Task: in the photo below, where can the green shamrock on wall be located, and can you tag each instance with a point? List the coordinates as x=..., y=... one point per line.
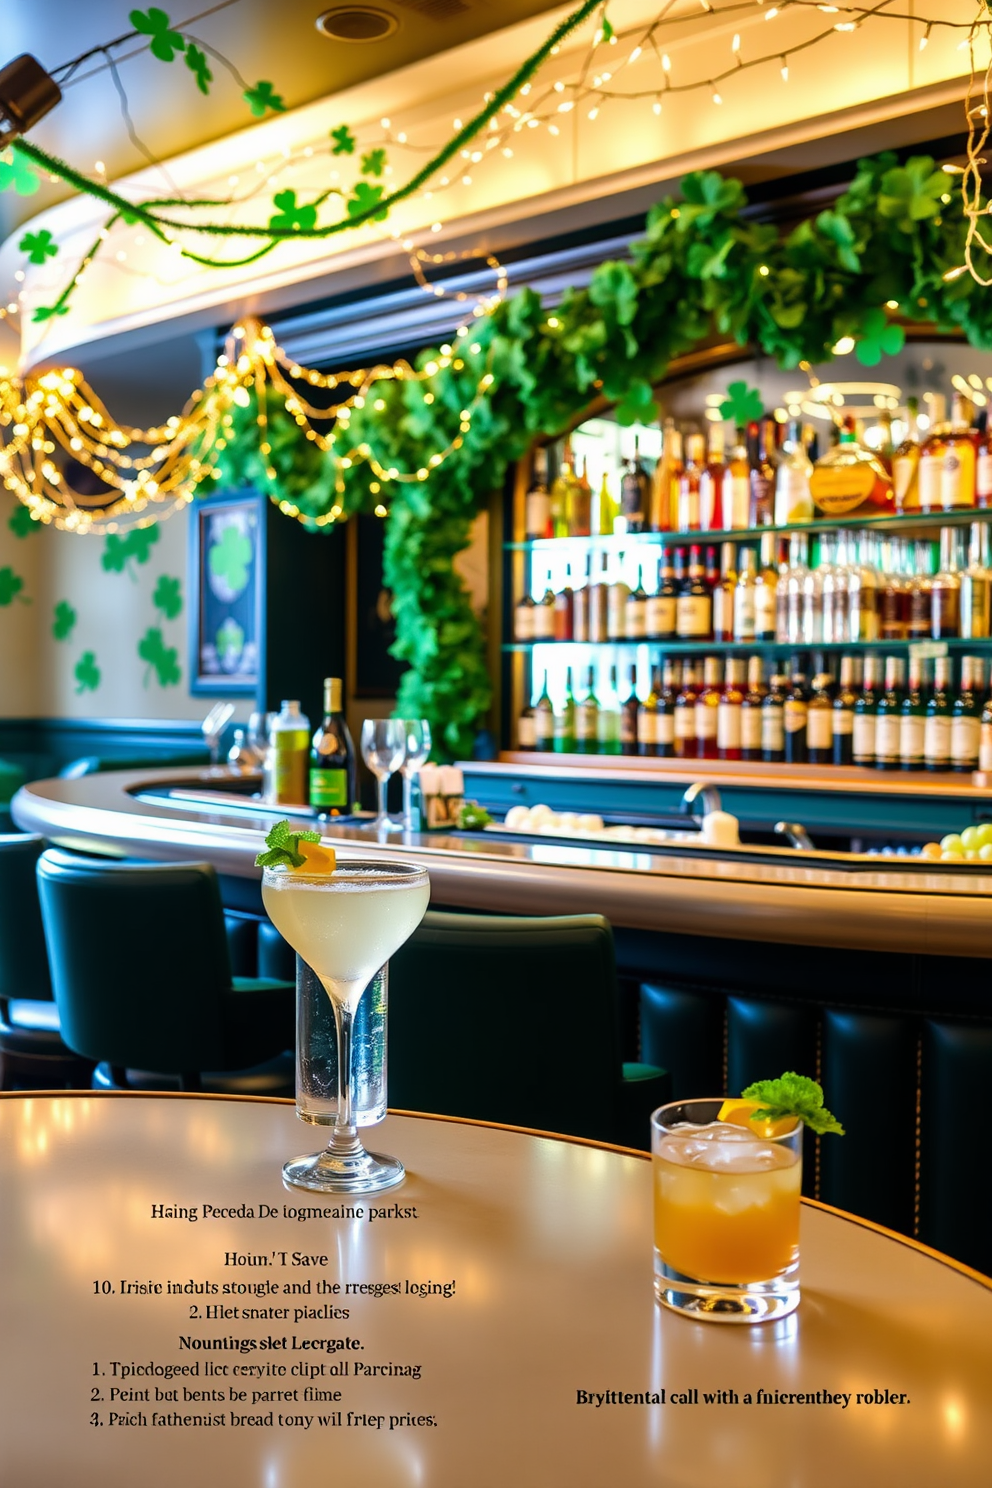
x=168, y=597
x=229, y=559
x=165, y=44
x=17, y=175
x=344, y=141
x=290, y=217
x=363, y=197
x=373, y=163
x=21, y=522
x=742, y=404
x=11, y=585
x=65, y=619
x=87, y=673
x=163, y=659
x=197, y=63
x=878, y=338
x=263, y=96
x=120, y=553
x=230, y=642
x=38, y=246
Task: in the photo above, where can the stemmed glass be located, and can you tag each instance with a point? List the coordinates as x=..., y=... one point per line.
x=346, y=925
x=417, y=734
x=213, y=727
x=383, y=749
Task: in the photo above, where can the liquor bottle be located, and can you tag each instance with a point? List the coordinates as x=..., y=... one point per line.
x=580, y=503
x=711, y=481
x=976, y=586
x=544, y=614
x=636, y=617
x=605, y=509
x=966, y=719
x=985, y=738
x=912, y=720
x=599, y=604
x=894, y=593
x=762, y=474
x=930, y=468
x=563, y=608
x=565, y=720
x=609, y=718
x=730, y=709
x=773, y=721
x=906, y=462
x=887, y=716
x=884, y=445
x=796, y=721
x=694, y=605
x=647, y=718
x=745, y=591
x=711, y=572
x=945, y=589
x=561, y=494
x=660, y=608
x=820, y=722
x=537, y=502
x=957, y=474
x=862, y=594
x=812, y=621
x=580, y=605
x=527, y=728
x=629, y=710
x=920, y=593
x=793, y=503
x=523, y=618
x=983, y=466
x=737, y=486
x=665, y=714
x=286, y=760
x=544, y=720
x=834, y=575
x=843, y=721
x=665, y=481
x=724, y=594
x=689, y=483
x=707, y=707
x=616, y=606
x=766, y=592
x=587, y=718
x=332, y=757
x=937, y=725
x=864, y=715
x=685, y=713
x=795, y=589
x=850, y=479
x=751, y=710
x=635, y=492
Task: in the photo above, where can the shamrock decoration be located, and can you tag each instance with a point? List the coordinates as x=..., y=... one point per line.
x=119, y=551
x=290, y=217
x=65, y=619
x=11, y=585
x=344, y=141
x=21, y=522
x=16, y=174
x=263, y=96
x=364, y=198
x=742, y=404
x=87, y=673
x=38, y=246
x=607, y=30
x=638, y=405
x=878, y=338
x=46, y=312
x=197, y=63
x=229, y=559
x=168, y=597
x=230, y=642
x=911, y=193
x=164, y=659
x=373, y=162
x=165, y=44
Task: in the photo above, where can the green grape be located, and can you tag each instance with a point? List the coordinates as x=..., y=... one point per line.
x=973, y=854
x=985, y=835
x=972, y=841
x=985, y=852
x=952, y=843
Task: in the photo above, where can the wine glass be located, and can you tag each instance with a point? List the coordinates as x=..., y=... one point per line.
x=258, y=734
x=383, y=749
x=345, y=925
x=417, y=734
x=213, y=727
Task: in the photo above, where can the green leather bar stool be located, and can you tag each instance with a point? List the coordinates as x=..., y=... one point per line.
x=517, y=1020
x=32, y=1052
x=142, y=979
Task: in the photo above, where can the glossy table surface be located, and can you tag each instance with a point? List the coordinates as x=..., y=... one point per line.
x=771, y=895
x=545, y=1247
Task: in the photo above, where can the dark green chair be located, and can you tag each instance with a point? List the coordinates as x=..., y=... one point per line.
x=142, y=979
x=517, y=1020
x=32, y=1052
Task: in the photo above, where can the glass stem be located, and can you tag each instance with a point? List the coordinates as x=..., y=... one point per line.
x=345, y=1132
x=382, y=782
x=408, y=801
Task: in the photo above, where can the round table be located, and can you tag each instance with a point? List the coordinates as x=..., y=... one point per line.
x=490, y=1322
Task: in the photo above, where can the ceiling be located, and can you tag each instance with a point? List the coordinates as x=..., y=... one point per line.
x=272, y=39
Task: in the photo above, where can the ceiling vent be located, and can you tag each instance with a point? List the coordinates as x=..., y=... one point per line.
x=362, y=22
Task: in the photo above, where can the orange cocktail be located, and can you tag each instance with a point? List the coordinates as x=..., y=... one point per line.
x=726, y=1205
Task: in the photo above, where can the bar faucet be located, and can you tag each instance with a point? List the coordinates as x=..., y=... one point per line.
x=704, y=792
x=795, y=834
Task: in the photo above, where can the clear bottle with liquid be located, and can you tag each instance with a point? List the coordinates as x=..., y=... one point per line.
x=976, y=586
x=287, y=757
x=793, y=502
x=945, y=589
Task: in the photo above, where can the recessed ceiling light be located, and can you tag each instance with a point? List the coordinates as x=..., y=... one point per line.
x=356, y=23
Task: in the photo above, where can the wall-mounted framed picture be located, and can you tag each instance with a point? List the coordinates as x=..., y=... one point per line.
x=227, y=588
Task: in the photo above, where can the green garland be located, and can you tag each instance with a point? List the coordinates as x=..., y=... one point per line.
x=703, y=266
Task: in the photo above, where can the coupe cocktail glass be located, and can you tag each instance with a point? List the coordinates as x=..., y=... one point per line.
x=726, y=1215
x=346, y=925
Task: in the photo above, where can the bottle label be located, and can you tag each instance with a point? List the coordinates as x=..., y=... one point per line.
x=887, y=737
x=628, y=726
x=526, y=733
x=912, y=739
x=792, y=498
x=736, y=501
x=728, y=726
x=544, y=728
x=985, y=748
x=903, y=470
x=957, y=476
x=537, y=519
x=633, y=495
x=843, y=721
x=723, y=612
x=660, y=615
x=329, y=787
x=864, y=738
x=636, y=619
x=983, y=477
x=744, y=613
x=966, y=735
x=616, y=612
x=974, y=606
x=586, y=722
x=705, y=720
x=290, y=751
x=937, y=739
x=796, y=715
x=544, y=622
x=928, y=480
x=523, y=622
x=665, y=726
x=764, y=611
x=837, y=489
x=751, y=728
x=685, y=727
x=707, y=502
x=693, y=615
x=647, y=726
x=820, y=728
x=772, y=730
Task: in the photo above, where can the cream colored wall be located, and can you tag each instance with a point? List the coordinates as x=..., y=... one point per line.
x=20, y=669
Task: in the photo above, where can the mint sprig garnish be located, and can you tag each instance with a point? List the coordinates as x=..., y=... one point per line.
x=793, y=1095
x=284, y=847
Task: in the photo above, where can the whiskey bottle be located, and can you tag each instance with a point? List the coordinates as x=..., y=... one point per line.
x=850, y=478
x=985, y=738
x=729, y=711
x=887, y=719
x=647, y=719
x=751, y=710
x=563, y=608
x=966, y=719
x=744, y=598
x=689, y=484
x=537, y=502
x=766, y=592
x=983, y=466
x=707, y=708
x=843, y=721
x=685, y=714
x=976, y=586
x=587, y=718
x=820, y=722
x=762, y=474
x=945, y=589
x=599, y=603
x=580, y=503
x=773, y=722
x=796, y=720
x=929, y=473
x=629, y=709
x=660, y=607
x=906, y=462
x=864, y=715
x=937, y=724
x=665, y=716
x=737, y=486
x=636, y=618
x=921, y=592
x=912, y=720
x=544, y=720
x=665, y=481
x=957, y=475
x=580, y=605
x=694, y=605
x=544, y=614
x=523, y=618
x=711, y=481
x=635, y=492
x=724, y=594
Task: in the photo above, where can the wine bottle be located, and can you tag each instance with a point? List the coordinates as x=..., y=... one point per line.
x=332, y=757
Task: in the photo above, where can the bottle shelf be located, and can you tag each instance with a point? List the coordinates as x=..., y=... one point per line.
x=906, y=523
x=922, y=648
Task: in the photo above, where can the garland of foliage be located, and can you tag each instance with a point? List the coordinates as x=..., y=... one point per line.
x=705, y=265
